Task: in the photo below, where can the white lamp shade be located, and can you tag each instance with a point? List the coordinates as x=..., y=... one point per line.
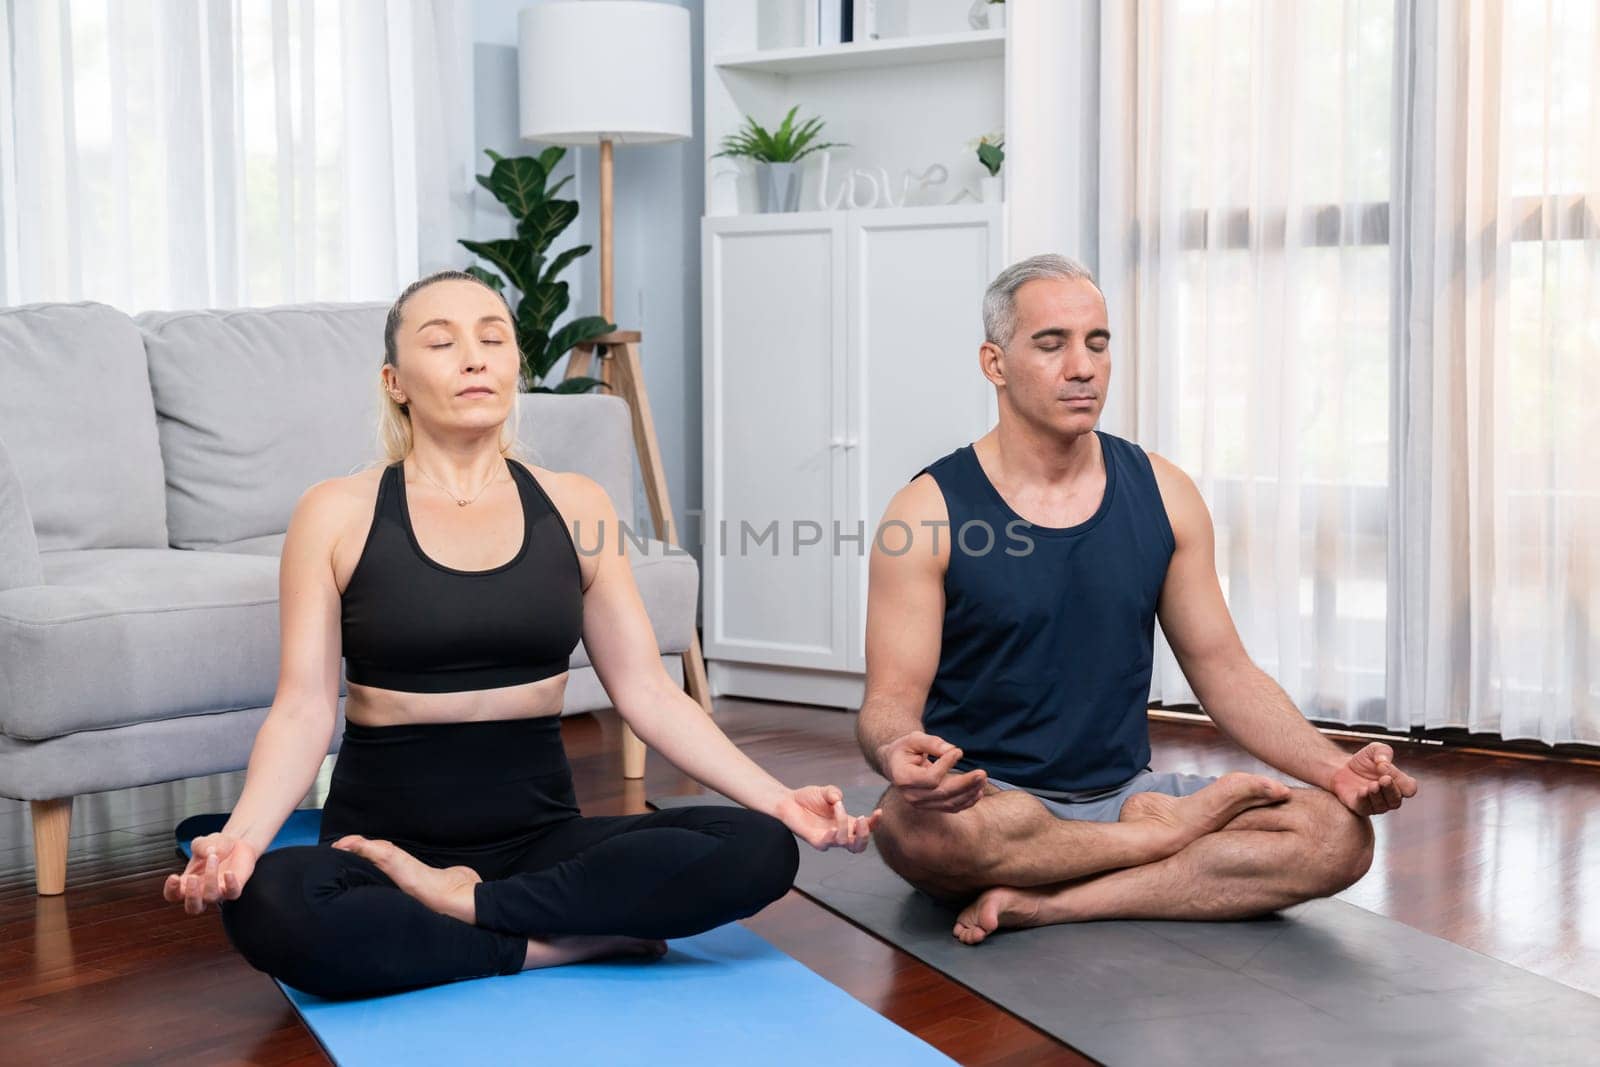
x=604, y=69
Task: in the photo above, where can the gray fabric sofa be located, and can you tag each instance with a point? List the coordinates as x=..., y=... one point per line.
x=148, y=468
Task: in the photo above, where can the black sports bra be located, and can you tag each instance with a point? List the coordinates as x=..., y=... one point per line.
x=410, y=623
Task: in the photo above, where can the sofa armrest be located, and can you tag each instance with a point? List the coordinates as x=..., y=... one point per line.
x=19, y=546
x=669, y=584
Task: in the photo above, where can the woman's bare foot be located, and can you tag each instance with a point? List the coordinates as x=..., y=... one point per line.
x=447, y=890
x=994, y=908
x=555, y=951
x=1185, y=819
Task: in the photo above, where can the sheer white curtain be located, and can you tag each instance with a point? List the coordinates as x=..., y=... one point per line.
x=1244, y=178
x=235, y=152
x=1351, y=250
x=1495, y=569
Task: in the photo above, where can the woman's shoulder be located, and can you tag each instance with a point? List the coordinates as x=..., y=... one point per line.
x=575, y=495
x=357, y=489
x=336, y=507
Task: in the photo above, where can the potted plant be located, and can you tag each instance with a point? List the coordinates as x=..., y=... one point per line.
x=777, y=156
x=991, y=153
x=518, y=182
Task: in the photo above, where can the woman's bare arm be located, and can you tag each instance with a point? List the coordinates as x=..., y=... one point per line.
x=291, y=744
x=623, y=651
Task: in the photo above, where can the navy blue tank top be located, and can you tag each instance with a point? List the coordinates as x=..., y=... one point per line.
x=1044, y=662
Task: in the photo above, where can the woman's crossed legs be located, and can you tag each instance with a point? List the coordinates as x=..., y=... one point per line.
x=371, y=918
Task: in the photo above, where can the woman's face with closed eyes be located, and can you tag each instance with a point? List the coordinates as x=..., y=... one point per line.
x=456, y=356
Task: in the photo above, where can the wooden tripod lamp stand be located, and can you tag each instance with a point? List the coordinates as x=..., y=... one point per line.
x=564, y=102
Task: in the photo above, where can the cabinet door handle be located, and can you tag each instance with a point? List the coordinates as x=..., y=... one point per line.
x=851, y=442
x=837, y=442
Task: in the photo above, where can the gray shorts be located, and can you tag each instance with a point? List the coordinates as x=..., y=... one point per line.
x=1105, y=805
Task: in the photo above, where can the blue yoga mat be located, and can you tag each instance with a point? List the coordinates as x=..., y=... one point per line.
x=300, y=828
x=725, y=996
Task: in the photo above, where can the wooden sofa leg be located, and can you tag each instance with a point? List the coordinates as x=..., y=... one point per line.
x=52, y=823
x=694, y=675
x=633, y=751
x=694, y=679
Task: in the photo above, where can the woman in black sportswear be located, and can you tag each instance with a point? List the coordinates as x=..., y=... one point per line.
x=452, y=845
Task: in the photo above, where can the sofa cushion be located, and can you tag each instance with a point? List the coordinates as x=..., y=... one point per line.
x=19, y=548
x=121, y=636
x=81, y=427
x=140, y=753
x=669, y=584
x=266, y=545
x=590, y=433
x=255, y=405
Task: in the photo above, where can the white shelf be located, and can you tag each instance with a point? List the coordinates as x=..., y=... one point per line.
x=893, y=52
x=816, y=217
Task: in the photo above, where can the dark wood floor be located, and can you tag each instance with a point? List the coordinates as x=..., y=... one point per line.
x=1501, y=855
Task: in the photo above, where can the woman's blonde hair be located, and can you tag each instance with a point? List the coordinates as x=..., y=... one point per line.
x=395, y=439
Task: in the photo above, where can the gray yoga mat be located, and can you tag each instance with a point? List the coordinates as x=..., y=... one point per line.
x=1324, y=982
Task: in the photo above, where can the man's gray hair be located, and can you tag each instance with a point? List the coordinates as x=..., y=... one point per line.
x=1000, y=299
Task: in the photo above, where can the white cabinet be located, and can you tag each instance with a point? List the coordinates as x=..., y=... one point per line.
x=840, y=346
x=915, y=391
x=774, y=416
x=841, y=356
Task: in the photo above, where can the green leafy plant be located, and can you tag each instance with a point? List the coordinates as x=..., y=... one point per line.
x=788, y=144
x=991, y=154
x=519, y=182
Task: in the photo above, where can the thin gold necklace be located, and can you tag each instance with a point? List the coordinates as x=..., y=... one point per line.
x=460, y=502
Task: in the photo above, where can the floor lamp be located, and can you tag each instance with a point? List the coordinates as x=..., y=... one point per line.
x=605, y=72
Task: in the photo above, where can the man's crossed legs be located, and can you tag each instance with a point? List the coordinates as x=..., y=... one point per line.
x=1241, y=846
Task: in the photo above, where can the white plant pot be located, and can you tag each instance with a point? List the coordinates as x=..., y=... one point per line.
x=779, y=185
x=997, y=16
x=992, y=188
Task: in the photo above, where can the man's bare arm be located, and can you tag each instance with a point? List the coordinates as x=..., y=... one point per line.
x=905, y=617
x=1241, y=698
x=905, y=620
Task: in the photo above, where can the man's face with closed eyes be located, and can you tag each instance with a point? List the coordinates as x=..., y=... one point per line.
x=1056, y=368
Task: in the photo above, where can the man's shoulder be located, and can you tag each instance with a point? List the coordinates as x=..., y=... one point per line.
x=1180, y=498
x=926, y=494
x=1172, y=479
x=942, y=463
x=1127, y=448
x=920, y=500
x=1167, y=473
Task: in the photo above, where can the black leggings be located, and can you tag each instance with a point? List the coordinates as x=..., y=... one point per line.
x=496, y=797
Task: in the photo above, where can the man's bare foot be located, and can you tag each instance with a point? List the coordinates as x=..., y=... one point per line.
x=1185, y=819
x=447, y=890
x=1002, y=906
x=555, y=951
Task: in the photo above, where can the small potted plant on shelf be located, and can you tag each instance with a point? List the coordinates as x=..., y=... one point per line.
x=991, y=153
x=777, y=155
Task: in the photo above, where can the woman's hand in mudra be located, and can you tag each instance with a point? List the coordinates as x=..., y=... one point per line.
x=816, y=813
x=219, y=866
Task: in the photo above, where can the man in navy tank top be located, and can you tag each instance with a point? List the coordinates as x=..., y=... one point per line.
x=1014, y=588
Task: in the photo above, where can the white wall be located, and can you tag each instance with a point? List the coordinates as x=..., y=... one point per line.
x=656, y=217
